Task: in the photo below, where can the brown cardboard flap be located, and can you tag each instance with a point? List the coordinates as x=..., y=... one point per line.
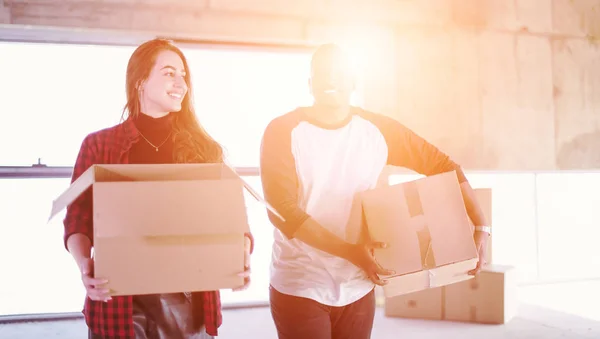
x=130, y=172
x=406, y=283
x=426, y=279
x=75, y=190
x=452, y=273
x=169, y=208
x=261, y=200
x=229, y=172
x=447, y=219
x=385, y=207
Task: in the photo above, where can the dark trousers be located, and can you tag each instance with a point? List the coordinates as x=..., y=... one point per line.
x=137, y=336
x=165, y=316
x=302, y=318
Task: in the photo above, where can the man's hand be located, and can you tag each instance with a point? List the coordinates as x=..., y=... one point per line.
x=247, y=271
x=481, y=239
x=361, y=255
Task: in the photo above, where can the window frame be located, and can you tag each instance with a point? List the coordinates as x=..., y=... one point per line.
x=57, y=172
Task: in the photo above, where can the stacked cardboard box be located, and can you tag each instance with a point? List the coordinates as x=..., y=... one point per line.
x=488, y=298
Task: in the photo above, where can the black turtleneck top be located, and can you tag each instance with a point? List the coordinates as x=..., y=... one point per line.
x=157, y=131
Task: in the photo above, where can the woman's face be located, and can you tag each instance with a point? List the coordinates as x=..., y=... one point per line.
x=164, y=89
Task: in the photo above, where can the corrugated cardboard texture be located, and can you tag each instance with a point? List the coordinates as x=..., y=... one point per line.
x=427, y=229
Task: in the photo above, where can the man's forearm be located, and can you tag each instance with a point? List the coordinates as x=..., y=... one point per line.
x=315, y=235
x=80, y=247
x=473, y=209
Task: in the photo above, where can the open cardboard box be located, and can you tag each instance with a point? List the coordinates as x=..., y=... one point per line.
x=165, y=228
x=429, y=237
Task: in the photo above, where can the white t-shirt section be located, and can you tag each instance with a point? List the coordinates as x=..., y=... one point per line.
x=332, y=165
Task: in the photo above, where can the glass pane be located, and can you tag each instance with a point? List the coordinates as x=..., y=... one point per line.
x=568, y=231
x=514, y=221
x=76, y=89
x=262, y=230
x=236, y=93
x=40, y=276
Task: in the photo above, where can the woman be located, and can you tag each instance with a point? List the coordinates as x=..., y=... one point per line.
x=160, y=127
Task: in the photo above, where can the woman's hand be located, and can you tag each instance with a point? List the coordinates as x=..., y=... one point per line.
x=94, y=288
x=248, y=246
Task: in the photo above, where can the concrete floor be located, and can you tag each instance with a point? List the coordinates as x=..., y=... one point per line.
x=567, y=310
x=533, y=322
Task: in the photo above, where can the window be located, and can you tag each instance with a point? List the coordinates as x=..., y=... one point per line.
x=79, y=89
x=72, y=89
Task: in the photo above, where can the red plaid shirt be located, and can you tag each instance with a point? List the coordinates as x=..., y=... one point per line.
x=113, y=319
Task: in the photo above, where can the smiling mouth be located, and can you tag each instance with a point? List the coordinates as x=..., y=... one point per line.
x=175, y=95
x=330, y=91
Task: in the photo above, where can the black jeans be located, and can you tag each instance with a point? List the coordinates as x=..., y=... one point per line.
x=302, y=318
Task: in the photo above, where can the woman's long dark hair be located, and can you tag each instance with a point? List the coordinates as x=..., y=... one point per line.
x=192, y=144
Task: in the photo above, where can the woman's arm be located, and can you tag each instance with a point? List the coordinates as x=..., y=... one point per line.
x=78, y=222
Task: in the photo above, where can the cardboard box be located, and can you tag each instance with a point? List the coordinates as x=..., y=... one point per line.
x=490, y=298
x=427, y=229
x=165, y=228
x=428, y=304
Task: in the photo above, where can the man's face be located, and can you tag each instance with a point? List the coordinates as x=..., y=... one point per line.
x=331, y=81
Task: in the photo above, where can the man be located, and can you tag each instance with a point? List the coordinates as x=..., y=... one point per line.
x=313, y=162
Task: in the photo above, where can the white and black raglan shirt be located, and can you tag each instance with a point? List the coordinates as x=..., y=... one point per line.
x=314, y=171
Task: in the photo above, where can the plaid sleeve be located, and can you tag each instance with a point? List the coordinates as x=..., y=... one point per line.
x=211, y=305
x=79, y=214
